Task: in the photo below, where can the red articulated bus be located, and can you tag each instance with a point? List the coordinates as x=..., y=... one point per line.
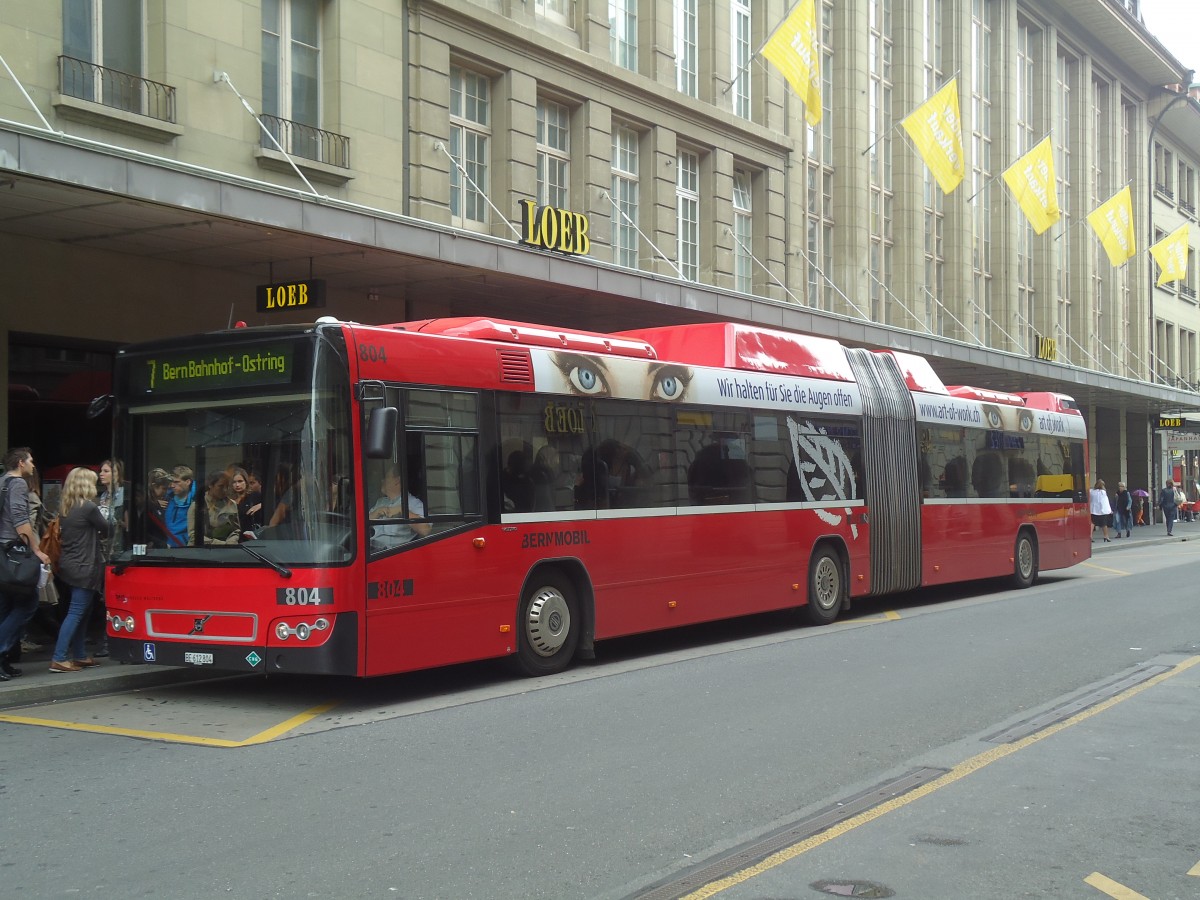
x=448, y=490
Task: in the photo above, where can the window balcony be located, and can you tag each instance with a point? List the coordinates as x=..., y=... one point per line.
x=321, y=155
x=307, y=142
x=1164, y=191
x=1188, y=293
x=113, y=99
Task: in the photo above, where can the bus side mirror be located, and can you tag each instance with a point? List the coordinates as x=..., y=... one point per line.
x=99, y=406
x=381, y=432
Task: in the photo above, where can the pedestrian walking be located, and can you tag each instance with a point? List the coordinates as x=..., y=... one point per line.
x=84, y=527
x=1166, y=502
x=1101, y=509
x=1123, y=510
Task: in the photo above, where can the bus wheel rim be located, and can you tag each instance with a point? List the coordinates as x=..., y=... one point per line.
x=548, y=622
x=1025, y=558
x=826, y=583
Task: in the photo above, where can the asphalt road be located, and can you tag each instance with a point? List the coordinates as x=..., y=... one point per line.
x=662, y=756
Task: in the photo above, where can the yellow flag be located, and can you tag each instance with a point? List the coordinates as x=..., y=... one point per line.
x=1031, y=179
x=936, y=129
x=1171, y=254
x=793, y=49
x=1112, y=221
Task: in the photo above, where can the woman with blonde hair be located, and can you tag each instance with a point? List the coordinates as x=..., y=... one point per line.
x=83, y=527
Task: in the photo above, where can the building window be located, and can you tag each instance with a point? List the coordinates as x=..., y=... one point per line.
x=622, y=35
x=1187, y=287
x=740, y=54
x=291, y=75
x=470, y=137
x=687, y=214
x=819, y=186
x=981, y=167
x=1164, y=171
x=553, y=154
x=879, y=160
x=554, y=10
x=743, y=232
x=685, y=47
x=105, y=33
x=1027, y=135
x=625, y=196
x=934, y=204
x=1066, y=84
x=1187, y=189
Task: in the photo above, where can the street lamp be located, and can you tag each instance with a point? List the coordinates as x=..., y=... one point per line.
x=1178, y=98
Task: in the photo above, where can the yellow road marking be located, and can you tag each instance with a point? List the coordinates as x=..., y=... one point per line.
x=963, y=769
x=1114, y=889
x=891, y=614
x=1092, y=565
x=1195, y=870
x=262, y=737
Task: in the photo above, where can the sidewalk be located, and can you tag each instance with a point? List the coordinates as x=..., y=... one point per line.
x=38, y=684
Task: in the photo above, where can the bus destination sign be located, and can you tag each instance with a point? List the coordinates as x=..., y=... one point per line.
x=215, y=369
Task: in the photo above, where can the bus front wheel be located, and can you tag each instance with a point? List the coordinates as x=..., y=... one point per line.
x=826, y=587
x=548, y=627
x=1025, y=561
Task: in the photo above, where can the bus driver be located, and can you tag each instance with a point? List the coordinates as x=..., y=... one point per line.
x=389, y=506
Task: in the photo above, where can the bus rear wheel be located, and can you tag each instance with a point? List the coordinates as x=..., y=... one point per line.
x=1025, y=561
x=548, y=627
x=826, y=587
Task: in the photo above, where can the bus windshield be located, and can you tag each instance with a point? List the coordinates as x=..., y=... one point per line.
x=226, y=445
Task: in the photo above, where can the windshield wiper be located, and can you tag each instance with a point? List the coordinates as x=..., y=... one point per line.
x=278, y=567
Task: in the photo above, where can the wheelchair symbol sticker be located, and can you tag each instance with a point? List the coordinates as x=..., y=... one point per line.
x=148, y=652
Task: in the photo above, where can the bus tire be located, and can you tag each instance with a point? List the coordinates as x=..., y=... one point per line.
x=826, y=587
x=548, y=626
x=1025, y=561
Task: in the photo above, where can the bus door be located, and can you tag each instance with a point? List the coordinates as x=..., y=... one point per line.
x=429, y=600
x=890, y=484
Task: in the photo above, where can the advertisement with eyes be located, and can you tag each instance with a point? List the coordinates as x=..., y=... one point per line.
x=563, y=372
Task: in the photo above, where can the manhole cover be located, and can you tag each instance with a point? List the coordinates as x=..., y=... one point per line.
x=843, y=887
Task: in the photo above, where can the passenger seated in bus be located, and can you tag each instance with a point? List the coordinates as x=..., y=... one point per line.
x=1022, y=480
x=954, y=477
x=591, y=487
x=628, y=477
x=390, y=507
x=545, y=476
x=516, y=483
x=715, y=478
x=987, y=476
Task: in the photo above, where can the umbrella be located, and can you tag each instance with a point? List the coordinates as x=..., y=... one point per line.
x=1140, y=493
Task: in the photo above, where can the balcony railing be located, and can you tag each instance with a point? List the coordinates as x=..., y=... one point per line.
x=1188, y=292
x=307, y=142
x=119, y=90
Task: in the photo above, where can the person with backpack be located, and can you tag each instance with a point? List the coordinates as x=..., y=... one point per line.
x=1166, y=502
x=16, y=608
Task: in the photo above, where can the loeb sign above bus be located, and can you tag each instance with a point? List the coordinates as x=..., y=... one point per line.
x=290, y=295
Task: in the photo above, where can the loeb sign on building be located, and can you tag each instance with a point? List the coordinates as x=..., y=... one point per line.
x=550, y=228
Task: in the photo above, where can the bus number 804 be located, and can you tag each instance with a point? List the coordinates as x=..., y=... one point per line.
x=302, y=596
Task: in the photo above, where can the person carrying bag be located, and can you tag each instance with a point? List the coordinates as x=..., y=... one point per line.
x=20, y=559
